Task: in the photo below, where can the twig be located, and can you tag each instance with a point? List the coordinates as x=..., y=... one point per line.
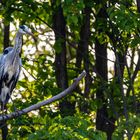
x=46, y=102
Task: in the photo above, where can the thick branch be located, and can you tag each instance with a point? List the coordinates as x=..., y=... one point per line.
x=46, y=102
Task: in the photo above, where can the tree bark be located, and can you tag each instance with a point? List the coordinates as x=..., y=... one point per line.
x=6, y=35
x=59, y=26
x=3, y=124
x=103, y=121
x=4, y=128
x=138, y=5
x=85, y=35
x=83, y=48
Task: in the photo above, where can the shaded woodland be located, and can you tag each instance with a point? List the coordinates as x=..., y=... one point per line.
x=101, y=37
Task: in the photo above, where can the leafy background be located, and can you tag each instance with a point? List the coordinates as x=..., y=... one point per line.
x=101, y=37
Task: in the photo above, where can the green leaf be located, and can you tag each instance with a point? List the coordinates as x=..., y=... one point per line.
x=58, y=45
x=135, y=42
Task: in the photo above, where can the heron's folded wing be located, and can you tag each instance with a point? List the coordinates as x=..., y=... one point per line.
x=1, y=66
x=16, y=77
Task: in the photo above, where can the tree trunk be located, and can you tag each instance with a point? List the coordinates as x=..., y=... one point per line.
x=3, y=124
x=103, y=121
x=138, y=5
x=6, y=36
x=4, y=128
x=82, y=51
x=59, y=26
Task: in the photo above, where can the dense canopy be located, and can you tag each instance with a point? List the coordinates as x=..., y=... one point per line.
x=101, y=37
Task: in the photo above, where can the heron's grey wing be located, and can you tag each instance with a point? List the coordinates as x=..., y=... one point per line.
x=1, y=70
x=17, y=75
x=1, y=79
x=13, y=81
x=1, y=65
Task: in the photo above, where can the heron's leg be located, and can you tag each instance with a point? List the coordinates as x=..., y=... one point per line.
x=3, y=108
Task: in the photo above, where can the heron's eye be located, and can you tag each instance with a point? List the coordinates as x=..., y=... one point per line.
x=5, y=52
x=22, y=27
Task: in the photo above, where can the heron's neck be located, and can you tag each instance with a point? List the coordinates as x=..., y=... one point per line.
x=18, y=42
x=17, y=47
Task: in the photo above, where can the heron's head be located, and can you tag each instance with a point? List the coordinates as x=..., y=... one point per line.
x=25, y=30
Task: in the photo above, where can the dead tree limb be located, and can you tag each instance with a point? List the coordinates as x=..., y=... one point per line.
x=46, y=102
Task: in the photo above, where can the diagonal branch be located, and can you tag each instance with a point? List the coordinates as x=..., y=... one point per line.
x=46, y=102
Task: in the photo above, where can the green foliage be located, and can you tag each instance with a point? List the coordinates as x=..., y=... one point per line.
x=68, y=128
x=117, y=28
x=57, y=45
x=126, y=19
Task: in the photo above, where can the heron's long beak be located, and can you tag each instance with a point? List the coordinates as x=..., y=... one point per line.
x=31, y=34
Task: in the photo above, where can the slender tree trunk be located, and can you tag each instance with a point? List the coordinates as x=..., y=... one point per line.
x=103, y=121
x=60, y=57
x=59, y=26
x=83, y=48
x=4, y=128
x=121, y=59
x=6, y=36
x=138, y=5
x=82, y=53
x=3, y=124
x=85, y=35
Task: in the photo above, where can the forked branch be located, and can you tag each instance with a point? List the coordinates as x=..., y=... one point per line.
x=46, y=102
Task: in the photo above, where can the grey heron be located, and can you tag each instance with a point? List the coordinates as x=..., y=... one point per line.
x=10, y=66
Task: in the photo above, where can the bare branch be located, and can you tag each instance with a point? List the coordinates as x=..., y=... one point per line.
x=137, y=68
x=46, y=102
x=125, y=109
